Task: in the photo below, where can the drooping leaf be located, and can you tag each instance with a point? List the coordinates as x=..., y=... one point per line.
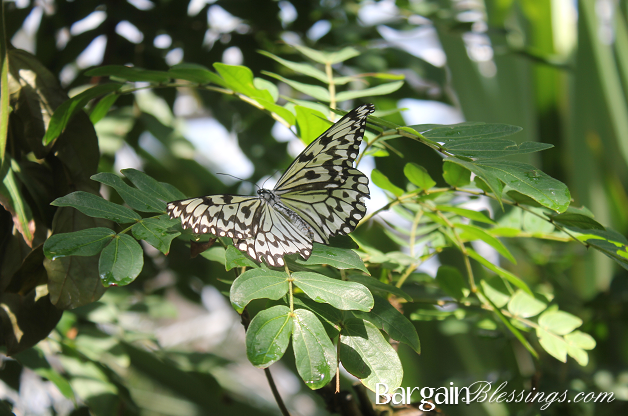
x=268, y=336
x=101, y=109
x=367, y=355
x=456, y=175
x=386, y=317
x=451, y=281
x=418, y=175
x=314, y=353
x=383, y=182
x=121, y=261
x=236, y=258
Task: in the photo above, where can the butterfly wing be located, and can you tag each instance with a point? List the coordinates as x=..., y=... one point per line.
x=276, y=237
x=221, y=215
x=321, y=184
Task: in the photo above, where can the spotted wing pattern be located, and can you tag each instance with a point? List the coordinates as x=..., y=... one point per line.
x=276, y=237
x=320, y=195
x=221, y=215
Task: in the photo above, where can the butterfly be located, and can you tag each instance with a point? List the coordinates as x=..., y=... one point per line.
x=320, y=195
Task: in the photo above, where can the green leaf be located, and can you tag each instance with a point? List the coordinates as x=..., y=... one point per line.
x=135, y=198
x=524, y=305
x=456, y=175
x=576, y=221
x=464, y=131
x=268, y=336
x=610, y=243
x=314, y=353
x=553, y=344
x=498, y=297
x=35, y=359
x=340, y=258
x=472, y=215
x=216, y=254
x=367, y=355
x=235, y=258
x=129, y=73
x=381, y=89
x=451, y=281
x=305, y=69
x=328, y=57
x=500, y=272
x=79, y=243
x=580, y=340
x=257, y=284
x=578, y=354
x=315, y=91
x=523, y=178
x=198, y=74
x=96, y=206
x=471, y=232
x=263, y=84
x=381, y=288
x=311, y=123
x=101, y=109
x=383, y=182
x=386, y=317
x=13, y=201
x=418, y=175
x=65, y=111
x=121, y=261
x=340, y=294
x=156, y=232
x=145, y=183
x=559, y=322
x=330, y=317
x=240, y=79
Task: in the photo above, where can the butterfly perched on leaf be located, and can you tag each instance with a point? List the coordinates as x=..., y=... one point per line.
x=319, y=196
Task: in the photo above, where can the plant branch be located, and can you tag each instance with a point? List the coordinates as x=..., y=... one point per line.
x=273, y=387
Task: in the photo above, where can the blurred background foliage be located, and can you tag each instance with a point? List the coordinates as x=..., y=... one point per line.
x=170, y=344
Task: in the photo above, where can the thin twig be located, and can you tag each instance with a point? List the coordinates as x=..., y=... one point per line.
x=273, y=387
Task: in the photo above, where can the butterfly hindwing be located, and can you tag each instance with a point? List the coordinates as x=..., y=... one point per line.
x=220, y=215
x=275, y=238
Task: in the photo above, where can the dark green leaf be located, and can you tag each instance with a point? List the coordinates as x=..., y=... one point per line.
x=314, y=353
x=96, y=206
x=577, y=221
x=609, y=242
x=156, y=232
x=386, y=317
x=328, y=315
x=340, y=258
x=129, y=73
x=268, y=336
x=149, y=185
x=65, y=111
x=451, y=281
x=365, y=353
x=340, y=294
x=73, y=281
x=236, y=258
x=79, y=243
x=195, y=73
x=121, y=261
x=135, y=198
x=257, y=284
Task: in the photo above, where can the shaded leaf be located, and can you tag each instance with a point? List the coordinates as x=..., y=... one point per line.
x=128, y=73
x=198, y=74
x=135, y=198
x=383, y=182
x=314, y=353
x=268, y=336
x=472, y=215
x=451, y=281
x=456, y=175
x=418, y=175
x=156, y=232
x=375, y=286
x=235, y=258
x=121, y=261
x=471, y=232
x=87, y=242
x=96, y=206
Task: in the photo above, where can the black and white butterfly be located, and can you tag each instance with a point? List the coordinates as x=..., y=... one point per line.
x=319, y=196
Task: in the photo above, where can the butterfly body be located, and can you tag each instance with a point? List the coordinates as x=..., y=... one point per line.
x=319, y=196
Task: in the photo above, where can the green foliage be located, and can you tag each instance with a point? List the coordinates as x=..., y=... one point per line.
x=64, y=243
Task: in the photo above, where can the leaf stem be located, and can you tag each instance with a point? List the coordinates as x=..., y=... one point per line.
x=332, y=90
x=290, y=295
x=273, y=387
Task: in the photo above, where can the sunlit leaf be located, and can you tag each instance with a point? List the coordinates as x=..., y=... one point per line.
x=340, y=294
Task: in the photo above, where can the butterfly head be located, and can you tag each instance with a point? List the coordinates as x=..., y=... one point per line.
x=267, y=195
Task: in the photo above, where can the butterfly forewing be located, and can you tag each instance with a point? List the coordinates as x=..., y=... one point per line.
x=320, y=195
x=220, y=215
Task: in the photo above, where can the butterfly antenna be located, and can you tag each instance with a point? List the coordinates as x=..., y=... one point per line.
x=271, y=176
x=235, y=177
